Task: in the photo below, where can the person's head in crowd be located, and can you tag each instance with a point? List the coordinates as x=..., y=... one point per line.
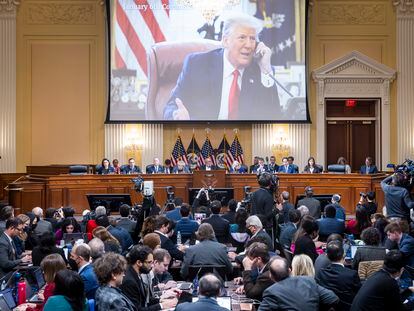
x=102, y=220
x=335, y=237
x=310, y=228
x=68, y=211
x=341, y=161
x=148, y=225
x=185, y=210
x=371, y=236
x=50, y=212
x=261, y=161
x=156, y=161
x=180, y=165
x=205, y=232
x=285, y=161
x=124, y=210
x=26, y=226
x=110, y=269
x=162, y=224
x=69, y=225
x=51, y=265
x=302, y=265
x=309, y=191
x=362, y=218
x=104, y=235
x=140, y=258
x=97, y=248
x=253, y=224
x=240, y=52
x=265, y=180
x=68, y=283
x=47, y=241
x=236, y=165
x=232, y=205
x=394, y=232
x=272, y=159
x=370, y=196
x=100, y=211
x=209, y=286
x=240, y=219
x=279, y=269
x=208, y=161
x=131, y=162
x=304, y=210
x=380, y=225
x=152, y=240
x=38, y=212
x=394, y=263
x=311, y=162
x=294, y=216
x=81, y=254
x=290, y=159
x=171, y=227
x=259, y=254
x=161, y=260
x=6, y=212
x=105, y=163
x=215, y=207
x=284, y=196
x=258, y=239
x=255, y=160
x=336, y=198
x=14, y=226
x=335, y=251
x=167, y=162
x=33, y=219
x=377, y=216
x=115, y=163
x=330, y=211
x=178, y=201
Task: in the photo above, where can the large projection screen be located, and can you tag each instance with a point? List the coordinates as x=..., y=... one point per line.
x=175, y=60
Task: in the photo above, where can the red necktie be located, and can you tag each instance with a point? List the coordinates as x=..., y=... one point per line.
x=234, y=96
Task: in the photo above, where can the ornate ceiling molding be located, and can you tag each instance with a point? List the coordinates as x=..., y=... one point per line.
x=353, y=14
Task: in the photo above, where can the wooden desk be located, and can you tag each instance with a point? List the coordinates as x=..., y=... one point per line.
x=68, y=190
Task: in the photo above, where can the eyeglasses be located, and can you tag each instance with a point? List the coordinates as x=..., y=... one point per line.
x=149, y=262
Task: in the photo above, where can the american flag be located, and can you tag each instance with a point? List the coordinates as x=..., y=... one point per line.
x=235, y=152
x=178, y=152
x=137, y=26
x=222, y=153
x=207, y=151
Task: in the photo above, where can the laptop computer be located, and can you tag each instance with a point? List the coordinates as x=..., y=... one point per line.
x=40, y=283
x=7, y=295
x=71, y=238
x=3, y=304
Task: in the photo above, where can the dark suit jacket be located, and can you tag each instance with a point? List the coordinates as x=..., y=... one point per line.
x=213, y=167
x=273, y=168
x=284, y=216
x=290, y=169
x=186, y=170
x=101, y=171
x=328, y=226
x=169, y=245
x=344, y=282
x=152, y=170
x=206, y=252
x=406, y=246
x=241, y=170
x=133, y=287
x=126, y=169
x=8, y=258
x=317, y=169
x=90, y=280
x=203, y=304
x=305, y=245
x=379, y=292
x=263, y=206
x=200, y=85
x=313, y=205
x=286, y=234
x=297, y=293
x=39, y=253
x=221, y=227
x=254, y=288
x=256, y=168
x=372, y=169
x=229, y=216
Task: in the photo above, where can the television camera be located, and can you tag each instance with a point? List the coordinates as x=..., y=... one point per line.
x=406, y=173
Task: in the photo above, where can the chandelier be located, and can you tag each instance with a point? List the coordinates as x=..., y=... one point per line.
x=209, y=8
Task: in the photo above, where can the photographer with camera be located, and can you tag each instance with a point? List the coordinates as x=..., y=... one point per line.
x=367, y=201
x=263, y=202
x=398, y=201
x=201, y=203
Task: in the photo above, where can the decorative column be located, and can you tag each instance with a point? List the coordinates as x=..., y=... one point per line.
x=405, y=69
x=153, y=143
x=8, y=85
x=299, y=136
x=115, y=135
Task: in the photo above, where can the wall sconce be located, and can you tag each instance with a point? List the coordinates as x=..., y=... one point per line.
x=281, y=142
x=133, y=141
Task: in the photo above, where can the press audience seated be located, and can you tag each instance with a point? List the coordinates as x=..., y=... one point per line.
x=289, y=229
x=254, y=225
x=330, y=224
x=110, y=242
x=220, y=225
x=6, y=212
x=123, y=237
x=69, y=225
x=185, y=225
x=230, y=215
x=162, y=228
x=42, y=225
x=311, y=203
x=361, y=222
x=124, y=221
x=238, y=230
x=162, y=279
x=405, y=242
x=97, y=248
x=152, y=240
x=47, y=246
x=372, y=250
x=302, y=265
x=284, y=207
x=91, y=224
x=304, y=243
x=323, y=261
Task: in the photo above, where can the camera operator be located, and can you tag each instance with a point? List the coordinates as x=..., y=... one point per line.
x=367, y=201
x=201, y=203
x=263, y=202
x=397, y=198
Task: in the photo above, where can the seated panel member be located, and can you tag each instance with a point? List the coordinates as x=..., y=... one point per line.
x=369, y=167
x=238, y=168
x=105, y=168
x=272, y=166
x=260, y=167
x=286, y=167
x=155, y=168
x=209, y=166
x=181, y=168
x=131, y=168
x=312, y=167
x=233, y=77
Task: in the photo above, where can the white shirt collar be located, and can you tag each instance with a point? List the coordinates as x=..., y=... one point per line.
x=10, y=239
x=228, y=68
x=157, y=231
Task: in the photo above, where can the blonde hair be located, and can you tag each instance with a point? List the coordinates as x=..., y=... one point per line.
x=51, y=265
x=302, y=265
x=104, y=235
x=23, y=217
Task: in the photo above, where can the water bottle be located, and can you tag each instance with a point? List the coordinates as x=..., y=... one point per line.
x=195, y=286
x=21, y=291
x=179, y=238
x=17, y=277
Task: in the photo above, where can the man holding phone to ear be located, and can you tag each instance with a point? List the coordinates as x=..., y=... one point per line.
x=229, y=83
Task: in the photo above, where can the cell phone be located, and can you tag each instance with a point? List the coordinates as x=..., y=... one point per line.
x=185, y=286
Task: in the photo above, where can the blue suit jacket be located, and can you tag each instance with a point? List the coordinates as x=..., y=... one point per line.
x=328, y=226
x=151, y=169
x=126, y=169
x=291, y=169
x=406, y=247
x=372, y=169
x=203, y=304
x=200, y=84
x=241, y=170
x=89, y=279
